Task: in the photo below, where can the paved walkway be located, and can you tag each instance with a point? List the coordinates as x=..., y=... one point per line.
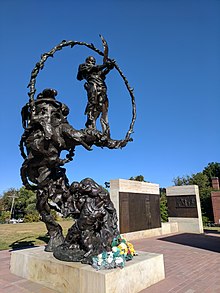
x=192, y=264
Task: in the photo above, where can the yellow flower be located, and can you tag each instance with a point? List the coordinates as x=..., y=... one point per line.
x=131, y=248
x=123, y=248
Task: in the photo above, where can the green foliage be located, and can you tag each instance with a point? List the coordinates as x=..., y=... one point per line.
x=212, y=170
x=5, y=217
x=30, y=208
x=6, y=199
x=205, y=221
x=32, y=217
x=179, y=181
x=163, y=205
x=203, y=180
x=24, y=203
x=138, y=178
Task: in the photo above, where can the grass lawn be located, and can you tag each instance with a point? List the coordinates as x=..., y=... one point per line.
x=214, y=229
x=13, y=236
x=20, y=235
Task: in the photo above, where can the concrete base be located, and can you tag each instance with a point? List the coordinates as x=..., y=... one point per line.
x=188, y=225
x=166, y=228
x=41, y=267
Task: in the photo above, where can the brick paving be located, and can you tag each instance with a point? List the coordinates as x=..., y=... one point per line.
x=10, y=283
x=192, y=264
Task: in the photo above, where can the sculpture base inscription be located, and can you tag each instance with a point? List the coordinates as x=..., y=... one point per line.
x=138, y=211
x=182, y=206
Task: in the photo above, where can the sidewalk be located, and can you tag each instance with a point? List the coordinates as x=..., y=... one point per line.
x=192, y=264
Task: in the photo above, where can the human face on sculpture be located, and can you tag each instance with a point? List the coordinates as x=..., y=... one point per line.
x=91, y=60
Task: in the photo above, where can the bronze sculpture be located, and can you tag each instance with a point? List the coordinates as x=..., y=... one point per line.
x=96, y=91
x=46, y=134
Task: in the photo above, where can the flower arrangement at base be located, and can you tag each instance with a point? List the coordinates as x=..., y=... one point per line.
x=121, y=252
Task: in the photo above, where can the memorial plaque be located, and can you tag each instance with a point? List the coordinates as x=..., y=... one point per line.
x=186, y=202
x=182, y=206
x=138, y=211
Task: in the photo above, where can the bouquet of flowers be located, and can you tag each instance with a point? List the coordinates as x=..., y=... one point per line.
x=121, y=252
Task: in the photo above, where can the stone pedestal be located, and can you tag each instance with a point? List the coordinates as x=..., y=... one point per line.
x=137, y=205
x=41, y=267
x=184, y=208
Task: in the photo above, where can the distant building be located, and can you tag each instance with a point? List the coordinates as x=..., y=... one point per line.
x=215, y=195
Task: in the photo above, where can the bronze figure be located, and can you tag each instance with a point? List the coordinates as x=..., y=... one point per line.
x=47, y=133
x=96, y=92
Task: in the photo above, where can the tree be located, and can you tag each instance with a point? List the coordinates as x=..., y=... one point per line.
x=24, y=203
x=212, y=170
x=205, y=188
x=138, y=178
x=7, y=203
x=32, y=217
x=5, y=217
x=179, y=181
x=163, y=205
x=6, y=198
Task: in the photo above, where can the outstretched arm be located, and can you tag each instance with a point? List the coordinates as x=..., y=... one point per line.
x=109, y=66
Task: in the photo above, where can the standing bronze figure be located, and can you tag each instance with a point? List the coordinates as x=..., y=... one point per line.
x=96, y=92
x=47, y=133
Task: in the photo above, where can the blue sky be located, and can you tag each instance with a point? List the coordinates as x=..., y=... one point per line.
x=168, y=50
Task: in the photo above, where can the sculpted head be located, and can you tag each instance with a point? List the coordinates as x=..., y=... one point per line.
x=91, y=60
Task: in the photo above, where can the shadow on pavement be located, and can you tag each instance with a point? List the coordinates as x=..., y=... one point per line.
x=207, y=242
x=23, y=243
x=45, y=238
x=212, y=232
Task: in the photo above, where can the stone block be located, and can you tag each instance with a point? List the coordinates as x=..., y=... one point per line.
x=190, y=225
x=166, y=228
x=41, y=267
x=137, y=204
x=184, y=208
